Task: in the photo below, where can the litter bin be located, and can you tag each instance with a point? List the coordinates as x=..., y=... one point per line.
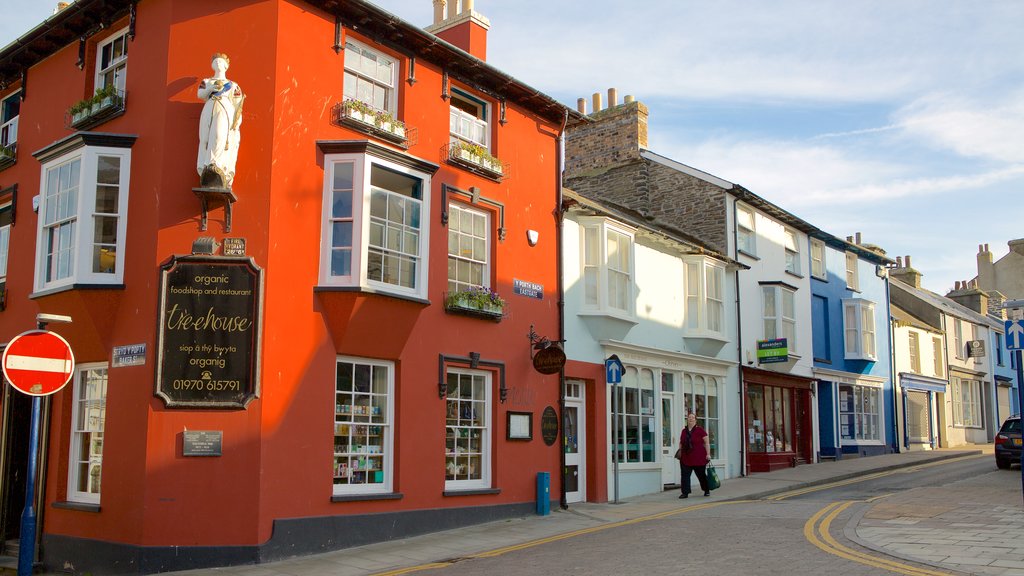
x=543, y=493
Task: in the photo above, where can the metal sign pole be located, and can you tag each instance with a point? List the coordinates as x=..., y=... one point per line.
x=615, y=438
x=1020, y=408
x=27, y=543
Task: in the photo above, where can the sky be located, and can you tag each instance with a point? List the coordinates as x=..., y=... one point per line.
x=899, y=119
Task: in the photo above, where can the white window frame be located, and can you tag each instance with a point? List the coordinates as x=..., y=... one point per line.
x=362, y=402
x=860, y=331
x=479, y=252
x=389, y=85
x=636, y=401
x=852, y=276
x=818, y=269
x=119, y=64
x=868, y=425
x=362, y=164
x=705, y=297
x=914, y=345
x=958, y=339
x=966, y=400
x=9, y=125
x=939, y=364
x=479, y=123
x=791, y=246
x=596, y=265
x=698, y=390
x=782, y=325
x=746, y=230
x=78, y=432
x=452, y=432
x=80, y=218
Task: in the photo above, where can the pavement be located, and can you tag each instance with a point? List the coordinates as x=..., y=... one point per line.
x=983, y=534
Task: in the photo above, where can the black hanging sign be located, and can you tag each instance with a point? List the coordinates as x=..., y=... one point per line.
x=211, y=318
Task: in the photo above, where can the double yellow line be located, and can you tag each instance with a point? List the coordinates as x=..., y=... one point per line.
x=816, y=531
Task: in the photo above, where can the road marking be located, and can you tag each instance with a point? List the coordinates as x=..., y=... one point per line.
x=557, y=537
x=819, y=535
x=802, y=491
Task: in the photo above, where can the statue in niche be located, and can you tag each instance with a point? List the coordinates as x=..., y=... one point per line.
x=218, y=126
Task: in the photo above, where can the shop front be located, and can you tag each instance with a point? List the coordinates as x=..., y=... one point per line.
x=778, y=424
x=917, y=395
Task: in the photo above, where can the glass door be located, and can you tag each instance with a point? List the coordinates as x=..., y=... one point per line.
x=574, y=434
x=671, y=426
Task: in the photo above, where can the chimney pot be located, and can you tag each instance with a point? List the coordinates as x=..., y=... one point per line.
x=581, y=105
x=597, y=102
x=613, y=98
x=467, y=6
x=858, y=238
x=907, y=260
x=628, y=99
x=439, y=9
x=899, y=261
x=849, y=239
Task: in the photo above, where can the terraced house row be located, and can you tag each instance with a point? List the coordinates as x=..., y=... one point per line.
x=334, y=279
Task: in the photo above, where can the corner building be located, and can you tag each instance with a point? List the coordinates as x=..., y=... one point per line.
x=391, y=190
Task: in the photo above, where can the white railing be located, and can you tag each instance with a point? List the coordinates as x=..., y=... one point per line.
x=9, y=132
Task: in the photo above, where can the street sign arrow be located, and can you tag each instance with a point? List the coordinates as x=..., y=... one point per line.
x=1015, y=334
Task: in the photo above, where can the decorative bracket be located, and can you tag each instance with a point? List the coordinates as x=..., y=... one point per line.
x=503, y=120
x=473, y=361
x=412, y=71
x=474, y=198
x=131, y=21
x=339, y=36
x=445, y=87
x=223, y=195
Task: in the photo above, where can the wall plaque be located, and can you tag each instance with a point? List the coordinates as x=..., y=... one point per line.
x=208, y=341
x=549, y=426
x=130, y=355
x=201, y=442
x=520, y=425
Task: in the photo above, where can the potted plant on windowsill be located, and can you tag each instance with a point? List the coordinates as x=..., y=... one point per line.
x=475, y=155
x=380, y=121
x=7, y=151
x=476, y=301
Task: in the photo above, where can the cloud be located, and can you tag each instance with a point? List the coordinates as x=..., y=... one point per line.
x=991, y=127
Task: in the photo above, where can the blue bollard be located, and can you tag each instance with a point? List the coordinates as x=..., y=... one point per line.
x=543, y=493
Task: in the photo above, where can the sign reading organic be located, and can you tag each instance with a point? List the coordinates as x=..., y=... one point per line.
x=549, y=426
x=776, y=350
x=211, y=313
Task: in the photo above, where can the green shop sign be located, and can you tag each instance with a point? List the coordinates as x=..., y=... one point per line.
x=776, y=350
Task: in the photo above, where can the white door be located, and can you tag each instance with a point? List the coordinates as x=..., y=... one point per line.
x=669, y=438
x=574, y=429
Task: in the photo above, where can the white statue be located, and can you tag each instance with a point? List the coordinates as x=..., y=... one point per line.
x=218, y=126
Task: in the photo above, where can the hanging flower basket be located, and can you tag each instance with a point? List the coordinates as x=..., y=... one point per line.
x=476, y=301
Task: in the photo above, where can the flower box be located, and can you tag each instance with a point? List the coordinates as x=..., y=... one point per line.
x=102, y=106
x=8, y=155
x=477, y=301
x=363, y=117
x=476, y=158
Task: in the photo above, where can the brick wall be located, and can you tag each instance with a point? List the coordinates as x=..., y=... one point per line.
x=615, y=135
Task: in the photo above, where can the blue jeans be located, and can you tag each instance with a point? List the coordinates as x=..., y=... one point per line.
x=702, y=477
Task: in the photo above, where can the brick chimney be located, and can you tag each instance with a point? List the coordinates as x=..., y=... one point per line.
x=986, y=269
x=967, y=294
x=456, y=22
x=615, y=135
x=904, y=273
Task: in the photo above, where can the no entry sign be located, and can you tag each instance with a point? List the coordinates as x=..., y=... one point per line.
x=38, y=362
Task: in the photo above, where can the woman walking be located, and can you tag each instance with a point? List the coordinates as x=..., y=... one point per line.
x=695, y=455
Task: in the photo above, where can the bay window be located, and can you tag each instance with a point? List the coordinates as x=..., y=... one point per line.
x=859, y=329
x=779, y=314
x=607, y=267
x=705, y=298
x=83, y=211
x=374, y=232
x=363, y=439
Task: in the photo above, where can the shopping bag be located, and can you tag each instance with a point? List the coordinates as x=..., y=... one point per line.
x=713, y=482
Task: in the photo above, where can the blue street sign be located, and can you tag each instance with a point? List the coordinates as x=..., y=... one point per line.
x=613, y=369
x=1015, y=334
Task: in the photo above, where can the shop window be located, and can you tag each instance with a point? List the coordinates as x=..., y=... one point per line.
x=779, y=314
x=860, y=413
x=792, y=247
x=373, y=228
x=746, y=237
x=859, y=329
x=363, y=412
x=83, y=217
x=705, y=298
x=88, y=415
x=818, y=259
x=467, y=430
x=112, y=62
x=370, y=77
x=769, y=418
x=607, y=267
x=468, y=248
x=966, y=396
x=700, y=396
x=633, y=412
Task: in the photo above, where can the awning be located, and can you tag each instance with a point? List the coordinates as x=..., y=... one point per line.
x=919, y=382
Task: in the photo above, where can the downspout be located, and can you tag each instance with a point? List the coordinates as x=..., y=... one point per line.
x=559, y=159
x=739, y=351
x=892, y=368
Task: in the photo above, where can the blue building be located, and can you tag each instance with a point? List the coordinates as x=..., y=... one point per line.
x=854, y=395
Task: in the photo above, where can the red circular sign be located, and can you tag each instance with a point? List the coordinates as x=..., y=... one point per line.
x=38, y=362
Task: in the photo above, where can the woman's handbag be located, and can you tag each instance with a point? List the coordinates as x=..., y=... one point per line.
x=679, y=453
x=713, y=482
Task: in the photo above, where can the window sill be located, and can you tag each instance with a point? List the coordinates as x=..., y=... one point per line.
x=393, y=132
x=741, y=252
x=819, y=278
x=459, y=310
x=472, y=492
x=861, y=358
x=50, y=291
x=365, y=497
x=795, y=274
x=97, y=116
x=850, y=442
x=477, y=166
x=823, y=360
x=78, y=506
x=368, y=290
x=8, y=159
x=852, y=289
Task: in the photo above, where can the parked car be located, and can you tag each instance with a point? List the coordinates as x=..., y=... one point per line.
x=1007, y=443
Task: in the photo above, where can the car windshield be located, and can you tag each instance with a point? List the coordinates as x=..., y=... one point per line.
x=1011, y=427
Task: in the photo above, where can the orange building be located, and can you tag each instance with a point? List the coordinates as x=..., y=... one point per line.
x=331, y=345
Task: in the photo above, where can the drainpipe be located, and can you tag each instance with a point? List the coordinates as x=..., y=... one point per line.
x=559, y=159
x=892, y=367
x=739, y=351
